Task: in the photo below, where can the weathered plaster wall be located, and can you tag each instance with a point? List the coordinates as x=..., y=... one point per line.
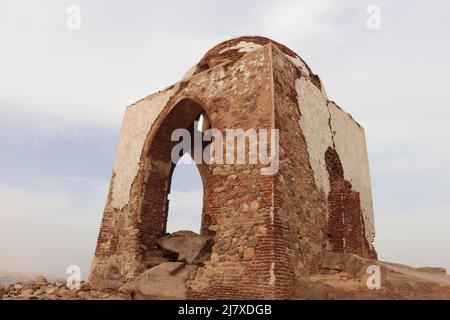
x=139, y=118
x=300, y=205
x=243, y=46
x=350, y=144
x=326, y=125
x=315, y=124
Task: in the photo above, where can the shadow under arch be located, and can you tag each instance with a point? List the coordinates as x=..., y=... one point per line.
x=159, y=167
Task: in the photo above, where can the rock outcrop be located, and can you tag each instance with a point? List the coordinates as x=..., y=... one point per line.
x=164, y=282
x=187, y=246
x=345, y=276
x=342, y=276
x=172, y=264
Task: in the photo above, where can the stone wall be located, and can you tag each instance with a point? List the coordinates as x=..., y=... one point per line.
x=300, y=204
x=238, y=200
x=267, y=229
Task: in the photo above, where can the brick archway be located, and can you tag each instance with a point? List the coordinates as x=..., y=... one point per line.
x=153, y=209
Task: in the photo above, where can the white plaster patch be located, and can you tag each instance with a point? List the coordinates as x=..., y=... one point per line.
x=314, y=124
x=317, y=114
x=136, y=125
x=272, y=274
x=305, y=72
x=243, y=46
x=189, y=73
x=351, y=146
x=299, y=63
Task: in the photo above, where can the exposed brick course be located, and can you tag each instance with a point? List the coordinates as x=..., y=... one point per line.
x=345, y=223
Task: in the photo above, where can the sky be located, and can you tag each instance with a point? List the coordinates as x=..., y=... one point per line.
x=63, y=93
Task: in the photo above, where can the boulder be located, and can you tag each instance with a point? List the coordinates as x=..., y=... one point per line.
x=350, y=278
x=332, y=261
x=67, y=294
x=85, y=286
x=60, y=283
x=18, y=287
x=187, y=246
x=151, y=261
x=51, y=290
x=38, y=292
x=41, y=280
x=26, y=294
x=111, y=279
x=153, y=258
x=339, y=262
x=354, y=264
x=2, y=292
x=82, y=295
x=166, y=281
x=127, y=288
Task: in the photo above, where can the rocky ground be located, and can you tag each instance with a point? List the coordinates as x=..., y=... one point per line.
x=41, y=289
x=169, y=267
x=176, y=258
x=346, y=276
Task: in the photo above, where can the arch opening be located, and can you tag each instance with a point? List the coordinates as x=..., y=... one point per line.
x=160, y=165
x=185, y=198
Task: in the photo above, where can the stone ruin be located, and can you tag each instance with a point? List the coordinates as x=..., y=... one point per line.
x=258, y=232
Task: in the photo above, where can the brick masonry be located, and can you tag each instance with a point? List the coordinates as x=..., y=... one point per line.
x=267, y=229
x=345, y=223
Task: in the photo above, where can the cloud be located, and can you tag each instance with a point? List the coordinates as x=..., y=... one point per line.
x=295, y=21
x=185, y=210
x=122, y=53
x=22, y=126
x=420, y=238
x=44, y=231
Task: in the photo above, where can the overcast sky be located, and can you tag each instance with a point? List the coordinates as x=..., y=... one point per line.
x=63, y=94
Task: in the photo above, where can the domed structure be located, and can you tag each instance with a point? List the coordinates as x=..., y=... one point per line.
x=295, y=186
x=228, y=52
